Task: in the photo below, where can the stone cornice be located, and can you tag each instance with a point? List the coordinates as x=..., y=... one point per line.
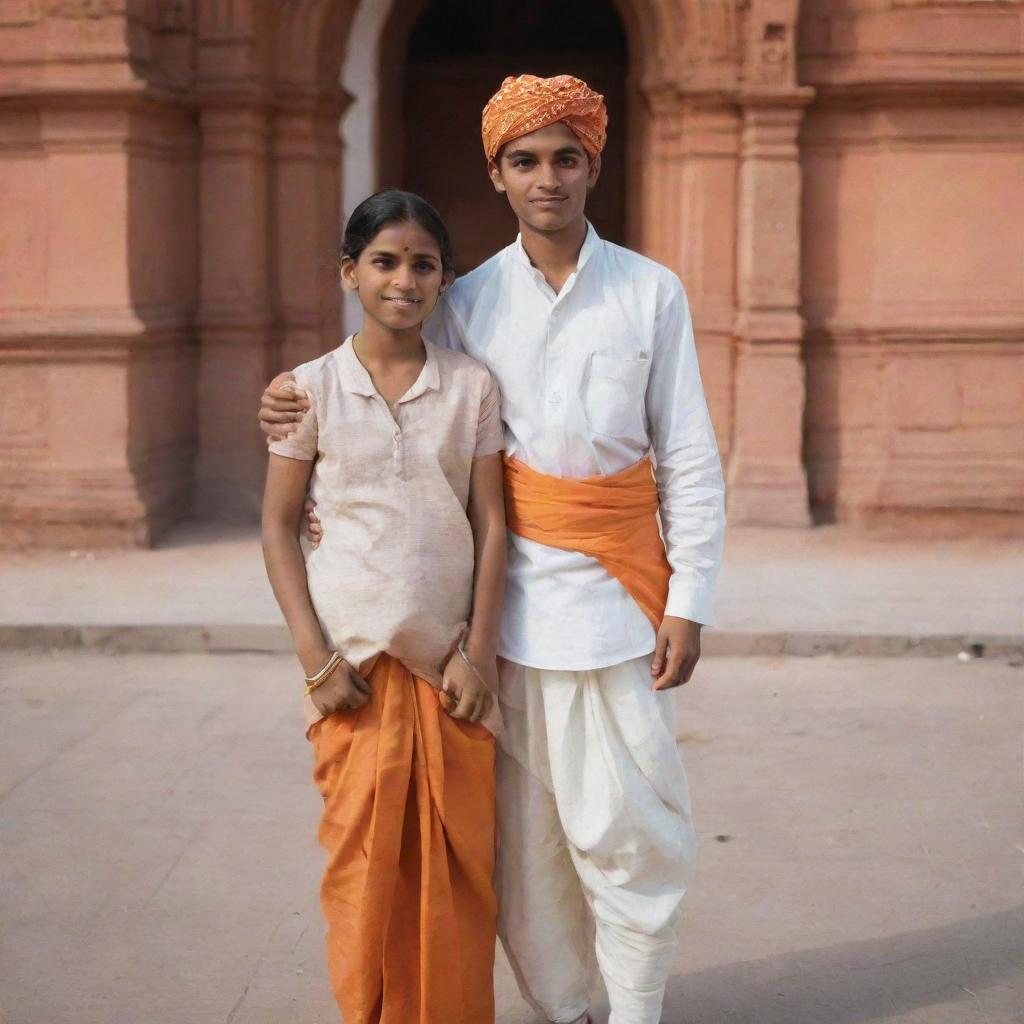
x=768, y=97
x=94, y=124
x=921, y=92
x=862, y=40
x=61, y=348
x=765, y=325
x=86, y=323
x=84, y=95
x=924, y=338
x=665, y=97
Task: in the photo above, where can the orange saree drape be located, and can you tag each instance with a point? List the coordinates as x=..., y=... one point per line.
x=613, y=519
x=408, y=825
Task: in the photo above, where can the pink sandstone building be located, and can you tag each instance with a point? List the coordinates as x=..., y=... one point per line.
x=839, y=183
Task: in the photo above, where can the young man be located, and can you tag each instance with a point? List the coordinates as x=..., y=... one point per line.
x=592, y=346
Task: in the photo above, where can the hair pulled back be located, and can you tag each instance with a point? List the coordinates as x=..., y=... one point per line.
x=393, y=206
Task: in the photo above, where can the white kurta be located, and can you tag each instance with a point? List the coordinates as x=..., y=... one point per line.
x=592, y=379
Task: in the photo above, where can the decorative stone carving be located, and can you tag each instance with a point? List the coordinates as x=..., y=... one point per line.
x=172, y=15
x=19, y=12
x=769, y=43
x=86, y=9
x=767, y=479
x=715, y=40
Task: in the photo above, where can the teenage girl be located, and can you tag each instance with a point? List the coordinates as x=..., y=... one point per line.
x=394, y=619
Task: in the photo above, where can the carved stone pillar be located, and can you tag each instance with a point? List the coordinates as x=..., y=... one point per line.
x=234, y=319
x=306, y=218
x=97, y=277
x=767, y=482
x=689, y=222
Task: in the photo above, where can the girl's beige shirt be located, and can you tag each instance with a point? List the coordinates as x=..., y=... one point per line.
x=394, y=571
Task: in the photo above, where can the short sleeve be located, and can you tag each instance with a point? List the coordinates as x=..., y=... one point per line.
x=490, y=434
x=303, y=443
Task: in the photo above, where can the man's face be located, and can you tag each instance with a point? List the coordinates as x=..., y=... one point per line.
x=546, y=176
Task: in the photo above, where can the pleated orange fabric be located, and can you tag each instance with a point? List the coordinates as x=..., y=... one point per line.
x=408, y=825
x=613, y=519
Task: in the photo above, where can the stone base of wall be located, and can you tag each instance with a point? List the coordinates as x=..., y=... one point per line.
x=74, y=527
x=917, y=433
x=924, y=524
x=99, y=442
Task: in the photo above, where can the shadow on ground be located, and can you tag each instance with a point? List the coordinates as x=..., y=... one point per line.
x=857, y=982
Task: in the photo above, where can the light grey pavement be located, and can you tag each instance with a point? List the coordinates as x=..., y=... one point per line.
x=204, y=588
x=862, y=827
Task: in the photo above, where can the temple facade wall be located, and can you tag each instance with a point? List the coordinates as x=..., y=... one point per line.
x=837, y=182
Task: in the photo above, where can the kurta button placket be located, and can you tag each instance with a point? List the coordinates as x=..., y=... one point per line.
x=553, y=358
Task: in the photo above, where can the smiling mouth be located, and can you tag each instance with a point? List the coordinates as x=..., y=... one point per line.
x=549, y=200
x=399, y=301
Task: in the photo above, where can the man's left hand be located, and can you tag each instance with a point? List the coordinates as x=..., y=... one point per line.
x=677, y=652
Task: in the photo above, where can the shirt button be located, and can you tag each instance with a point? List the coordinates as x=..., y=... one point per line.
x=554, y=398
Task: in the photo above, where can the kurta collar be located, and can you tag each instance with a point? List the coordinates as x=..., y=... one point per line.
x=590, y=244
x=355, y=378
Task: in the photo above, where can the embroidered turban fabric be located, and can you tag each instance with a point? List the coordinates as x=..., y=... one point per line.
x=528, y=103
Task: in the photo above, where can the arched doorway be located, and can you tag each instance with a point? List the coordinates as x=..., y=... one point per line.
x=458, y=52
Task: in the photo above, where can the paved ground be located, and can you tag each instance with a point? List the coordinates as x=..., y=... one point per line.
x=829, y=579
x=861, y=825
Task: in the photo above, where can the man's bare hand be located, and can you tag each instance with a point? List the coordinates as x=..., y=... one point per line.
x=676, y=653
x=282, y=407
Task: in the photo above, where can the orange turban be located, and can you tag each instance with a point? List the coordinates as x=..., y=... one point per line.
x=524, y=104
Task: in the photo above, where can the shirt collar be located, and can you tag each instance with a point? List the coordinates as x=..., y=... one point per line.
x=429, y=378
x=355, y=378
x=590, y=243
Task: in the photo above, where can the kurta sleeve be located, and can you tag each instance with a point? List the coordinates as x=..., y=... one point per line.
x=688, y=469
x=490, y=433
x=303, y=443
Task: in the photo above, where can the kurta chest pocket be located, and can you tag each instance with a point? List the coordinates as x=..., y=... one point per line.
x=614, y=396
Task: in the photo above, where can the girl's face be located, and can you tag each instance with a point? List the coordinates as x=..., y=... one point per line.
x=398, y=276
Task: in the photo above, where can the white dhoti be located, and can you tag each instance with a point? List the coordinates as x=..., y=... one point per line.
x=595, y=838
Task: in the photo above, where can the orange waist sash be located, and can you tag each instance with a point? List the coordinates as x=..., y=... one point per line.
x=612, y=519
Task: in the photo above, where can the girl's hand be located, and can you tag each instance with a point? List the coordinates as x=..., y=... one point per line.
x=469, y=697
x=345, y=690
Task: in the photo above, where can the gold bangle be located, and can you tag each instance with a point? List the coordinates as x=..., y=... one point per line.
x=325, y=673
x=310, y=687
x=472, y=667
x=326, y=669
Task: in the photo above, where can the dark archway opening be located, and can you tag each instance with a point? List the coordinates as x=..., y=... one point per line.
x=459, y=51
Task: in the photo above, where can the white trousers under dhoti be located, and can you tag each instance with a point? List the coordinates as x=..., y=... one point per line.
x=595, y=838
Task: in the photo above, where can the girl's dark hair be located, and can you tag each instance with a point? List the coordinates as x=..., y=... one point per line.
x=392, y=206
